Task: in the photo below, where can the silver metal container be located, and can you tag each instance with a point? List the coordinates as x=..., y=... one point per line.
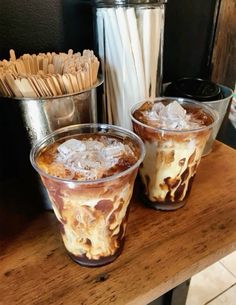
x=25, y=121
x=44, y=115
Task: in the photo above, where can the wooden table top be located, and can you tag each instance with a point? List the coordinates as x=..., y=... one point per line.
x=162, y=249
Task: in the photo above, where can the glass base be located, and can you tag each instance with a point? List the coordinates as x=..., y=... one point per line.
x=206, y=151
x=167, y=206
x=85, y=262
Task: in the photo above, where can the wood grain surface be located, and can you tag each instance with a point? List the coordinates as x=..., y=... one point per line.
x=162, y=249
x=223, y=58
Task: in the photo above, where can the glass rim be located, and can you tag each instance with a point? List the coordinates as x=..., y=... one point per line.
x=230, y=94
x=222, y=100
x=210, y=110
x=35, y=149
x=126, y=2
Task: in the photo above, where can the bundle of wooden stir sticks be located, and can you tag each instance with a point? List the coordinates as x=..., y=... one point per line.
x=48, y=75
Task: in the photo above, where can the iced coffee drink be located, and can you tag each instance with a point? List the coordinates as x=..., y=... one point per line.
x=174, y=132
x=89, y=173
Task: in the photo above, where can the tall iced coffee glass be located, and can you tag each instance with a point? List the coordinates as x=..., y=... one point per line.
x=89, y=172
x=174, y=132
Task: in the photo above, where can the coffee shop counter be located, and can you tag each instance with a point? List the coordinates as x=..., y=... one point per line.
x=162, y=249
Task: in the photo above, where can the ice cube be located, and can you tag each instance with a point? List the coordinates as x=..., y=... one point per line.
x=113, y=151
x=157, y=107
x=173, y=116
x=71, y=146
x=173, y=111
x=90, y=160
x=94, y=145
x=153, y=115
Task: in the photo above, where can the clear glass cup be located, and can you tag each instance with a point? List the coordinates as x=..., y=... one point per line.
x=129, y=39
x=93, y=213
x=172, y=157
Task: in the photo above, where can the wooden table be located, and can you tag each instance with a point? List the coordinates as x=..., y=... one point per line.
x=162, y=249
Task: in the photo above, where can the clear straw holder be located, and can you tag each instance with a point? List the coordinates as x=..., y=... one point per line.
x=129, y=39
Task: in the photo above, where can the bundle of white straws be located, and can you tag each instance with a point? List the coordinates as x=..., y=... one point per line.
x=129, y=41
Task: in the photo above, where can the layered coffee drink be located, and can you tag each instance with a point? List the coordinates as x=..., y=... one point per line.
x=174, y=133
x=89, y=176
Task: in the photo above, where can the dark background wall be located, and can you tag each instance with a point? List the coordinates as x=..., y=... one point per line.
x=57, y=25
x=189, y=33
x=39, y=26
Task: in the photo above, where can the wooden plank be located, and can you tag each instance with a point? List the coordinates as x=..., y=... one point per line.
x=223, y=58
x=162, y=249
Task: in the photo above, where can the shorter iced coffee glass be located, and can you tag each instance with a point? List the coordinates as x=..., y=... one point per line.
x=174, y=131
x=89, y=171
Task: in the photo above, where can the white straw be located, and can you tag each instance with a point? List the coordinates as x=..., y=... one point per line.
x=129, y=72
x=137, y=51
x=114, y=67
x=156, y=20
x=110, y=96
x=116, y=80
x=147, y=46
x=120, y=67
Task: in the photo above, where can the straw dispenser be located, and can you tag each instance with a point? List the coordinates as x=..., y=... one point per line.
x=129, y=37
